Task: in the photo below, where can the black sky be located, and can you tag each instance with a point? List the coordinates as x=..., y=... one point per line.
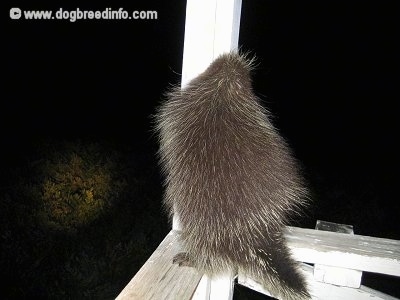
x=328, y=71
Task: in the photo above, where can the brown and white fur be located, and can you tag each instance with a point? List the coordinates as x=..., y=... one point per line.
x=231, y=178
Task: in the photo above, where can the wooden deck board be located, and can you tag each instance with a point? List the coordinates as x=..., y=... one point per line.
x=159, y=279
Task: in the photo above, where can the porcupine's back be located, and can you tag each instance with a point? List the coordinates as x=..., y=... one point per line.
x=230, y=177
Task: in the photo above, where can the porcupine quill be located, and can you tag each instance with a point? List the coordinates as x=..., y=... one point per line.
x=231, y=178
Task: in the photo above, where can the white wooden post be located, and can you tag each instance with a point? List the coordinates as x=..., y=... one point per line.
x=335, y=275
x=215, y=288
x=211, y=29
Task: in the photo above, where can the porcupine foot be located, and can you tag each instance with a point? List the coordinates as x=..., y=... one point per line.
x=182, y=259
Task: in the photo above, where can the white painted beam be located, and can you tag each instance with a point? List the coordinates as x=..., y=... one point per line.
x=211, y=28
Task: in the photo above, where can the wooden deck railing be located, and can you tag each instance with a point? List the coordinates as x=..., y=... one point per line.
x=332, y=263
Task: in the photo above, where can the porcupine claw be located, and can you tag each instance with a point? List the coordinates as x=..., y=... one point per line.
x=182, y=259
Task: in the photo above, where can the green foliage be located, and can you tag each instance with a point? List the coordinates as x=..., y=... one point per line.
x=77, y=187
x=78, y=219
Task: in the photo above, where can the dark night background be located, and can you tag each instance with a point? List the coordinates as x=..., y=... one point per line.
x=327, y=70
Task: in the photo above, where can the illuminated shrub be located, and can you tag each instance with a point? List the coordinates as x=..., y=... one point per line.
x=77, y=186
x=78, y=218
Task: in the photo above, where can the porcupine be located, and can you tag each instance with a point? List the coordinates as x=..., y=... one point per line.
x=230, y=177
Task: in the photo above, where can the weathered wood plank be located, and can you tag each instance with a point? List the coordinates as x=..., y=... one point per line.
x=159, y=279
x=324, y=291
x=356, y=252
